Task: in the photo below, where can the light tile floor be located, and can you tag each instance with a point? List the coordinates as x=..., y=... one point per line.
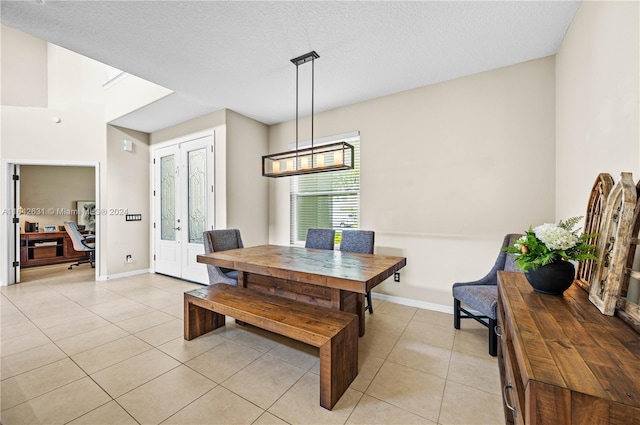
x=78, y=351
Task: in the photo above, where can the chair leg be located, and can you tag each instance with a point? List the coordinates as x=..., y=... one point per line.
x=90, y=260
x=456, y=313
x=493, y=338
x=369, y=305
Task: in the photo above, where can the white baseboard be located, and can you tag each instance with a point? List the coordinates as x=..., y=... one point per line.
x=126, y=274
x=413, y=303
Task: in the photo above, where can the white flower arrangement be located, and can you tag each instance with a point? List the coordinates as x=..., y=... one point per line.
x=550, y=242
x=556, y=237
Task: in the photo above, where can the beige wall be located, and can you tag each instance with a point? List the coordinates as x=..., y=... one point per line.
x=128, y=192
x=247, y=190
x=48, y=194
x=23, y=80
x=446, y=171
x=597, y=101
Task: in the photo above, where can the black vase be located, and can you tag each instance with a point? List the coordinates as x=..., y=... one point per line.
x=554, y=278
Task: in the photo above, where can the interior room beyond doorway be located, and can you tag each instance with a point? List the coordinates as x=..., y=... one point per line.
x=50, y=195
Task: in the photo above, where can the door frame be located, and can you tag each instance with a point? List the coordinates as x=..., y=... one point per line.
x=154, y=211
x=6, y=204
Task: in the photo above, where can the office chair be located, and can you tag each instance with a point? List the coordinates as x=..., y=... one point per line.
x=222, y=240
x=81, y=243
x=360, y=241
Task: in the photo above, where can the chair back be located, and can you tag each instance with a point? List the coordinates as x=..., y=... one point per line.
x=508, y=259
x=221, y=240
x=76, y=237
x=360, y=241
x=320, y=238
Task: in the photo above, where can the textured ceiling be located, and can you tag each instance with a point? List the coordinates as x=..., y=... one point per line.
x=236, y=55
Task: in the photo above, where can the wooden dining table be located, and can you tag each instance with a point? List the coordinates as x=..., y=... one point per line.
x=334, y=279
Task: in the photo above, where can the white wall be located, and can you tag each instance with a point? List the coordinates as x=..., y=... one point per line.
x=597, y=95
x=446, y=171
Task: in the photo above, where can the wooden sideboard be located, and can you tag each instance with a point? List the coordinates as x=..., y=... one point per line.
x=44, y=248
x=562, y=361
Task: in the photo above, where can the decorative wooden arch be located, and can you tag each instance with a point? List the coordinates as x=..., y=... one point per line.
x=592, y=224
x=629, y=310
x=613, y=245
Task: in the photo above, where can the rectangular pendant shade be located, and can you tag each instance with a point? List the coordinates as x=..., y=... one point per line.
x=316, y=159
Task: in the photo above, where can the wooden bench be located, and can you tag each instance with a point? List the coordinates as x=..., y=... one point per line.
x=334, y=332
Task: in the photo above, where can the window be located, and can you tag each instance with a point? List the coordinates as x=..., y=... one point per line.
x=328, y=200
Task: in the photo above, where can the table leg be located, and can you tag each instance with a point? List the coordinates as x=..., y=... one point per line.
x=242, y=279
x=360, y=307
x=338, y=303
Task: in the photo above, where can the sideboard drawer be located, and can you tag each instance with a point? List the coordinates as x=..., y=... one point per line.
x=512, y=387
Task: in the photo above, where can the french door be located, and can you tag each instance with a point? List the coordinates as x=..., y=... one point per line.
x=183, y=198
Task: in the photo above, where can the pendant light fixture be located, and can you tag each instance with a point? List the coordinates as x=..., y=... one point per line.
x=313, y=159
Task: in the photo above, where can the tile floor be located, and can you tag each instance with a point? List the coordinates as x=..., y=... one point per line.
x=84, y=352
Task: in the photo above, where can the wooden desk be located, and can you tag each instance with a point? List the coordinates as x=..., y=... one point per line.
x=561, y=361
x=334, y=279
x=44, y=248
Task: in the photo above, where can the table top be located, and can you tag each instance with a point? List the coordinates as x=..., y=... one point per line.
x=337, y=269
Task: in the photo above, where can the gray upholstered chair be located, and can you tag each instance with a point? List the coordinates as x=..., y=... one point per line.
x=481, y=296
x=81, y=243
x=361, y=241
x=222, y=240
x=320, y=238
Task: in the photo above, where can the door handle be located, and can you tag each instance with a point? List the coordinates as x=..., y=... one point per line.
x=177, y=228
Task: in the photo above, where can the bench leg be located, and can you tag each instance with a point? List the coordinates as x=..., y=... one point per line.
x=338, y=365
x=198, y=321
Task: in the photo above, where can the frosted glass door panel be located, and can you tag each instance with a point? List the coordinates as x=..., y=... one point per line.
x=167, y=198
x=197, y=200
x=183, y=207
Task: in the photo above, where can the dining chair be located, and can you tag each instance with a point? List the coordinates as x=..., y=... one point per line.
x=320, y=238
x=360, y=241
x=222, y=240
x=481, y=296
x=81, y=243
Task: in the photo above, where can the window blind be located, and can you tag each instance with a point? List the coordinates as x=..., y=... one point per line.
x=328, y=200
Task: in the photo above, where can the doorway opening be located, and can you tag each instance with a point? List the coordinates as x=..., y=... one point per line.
x=40, y=197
